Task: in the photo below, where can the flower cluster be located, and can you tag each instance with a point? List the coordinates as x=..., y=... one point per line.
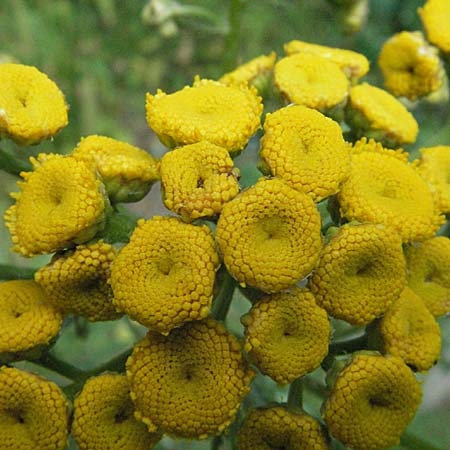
x=337, y=228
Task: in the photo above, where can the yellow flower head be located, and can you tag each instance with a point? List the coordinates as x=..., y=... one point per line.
x=360, y=273
x=429, y=273
x=411, y=67
x=353, y=64
x=269, y=235
x=190, y=383
x=252, y=72
x=435, y=16
x=384, y=188
x=165, y=275
x=28, y=322
x=104, y=417
x=76, y=281
x=373, y=400
x=32, y=108
x=61, y=204
x=311, y=80
x=434, y=166
x=210, y=111
x=198, y=179
x=306, y=149
x=278, y=427
x=410, y=332
x=127, y=171
x=287, y=334
x=33, y=412
x=374, y=113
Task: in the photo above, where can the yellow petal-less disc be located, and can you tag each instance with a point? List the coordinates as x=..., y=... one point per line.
x=32, y=107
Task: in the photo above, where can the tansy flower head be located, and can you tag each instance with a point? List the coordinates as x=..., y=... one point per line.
x=409, y=330
x=361, y=271
x=33, y=412
x=208, y=111
x=128, y=172
x=354, y=65
x=254, y=72
x=190, y=383
x=429, y=273
x=311, y=80
x=198, y=179
x=384, y=188
x=32, y=108
x=411, y=67
x=277, y=427
x=434, y=166
x=269, y=235
x=435, y=16
x=165, y=275
x=306, y=149
x=28, y=322
x=61, y=203
x=76, y=281
x=373, y=400
x=287, y=334
x=373, y=112
x=104, y=417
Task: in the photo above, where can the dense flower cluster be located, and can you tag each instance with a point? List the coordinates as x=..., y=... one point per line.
x=341, y=226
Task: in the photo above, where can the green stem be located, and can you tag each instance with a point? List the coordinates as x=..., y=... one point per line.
x=295, y=395
x=116, y=364
x=222, y=302
x=216, y=442
x=231, y=50
x=8, y=272
x=11, y=164
x=348, y=345
x=413, y=442
x=53, y=363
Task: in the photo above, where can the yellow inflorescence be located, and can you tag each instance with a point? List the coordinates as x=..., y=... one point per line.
x=429, y=273
x=208, y=111
x=354, y=65
x=277, y=427
x=435, y=16
x=373, y=112
x=311, y=80
x=76, y=281
x=249, y=72
x=61, y=204
x=33, y=412
x=410, y=332
x=306, y=149
x=127, y=171
x=434, y=166
x=269, y=235
x=410, y=66
x=27, y=319
x=165, y=275
x=384, y=188
x=103, y=417
x=373, y=400
x=189, y=383
x=361, y=272
x=198, y=179
x=287, y=334
x=32, y=108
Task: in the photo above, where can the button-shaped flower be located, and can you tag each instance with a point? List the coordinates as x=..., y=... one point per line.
x=103, y=417
x=189, y=383
x=165, y=275
x=61, y=203
x=32, y=107
x=227, y=116
x=269, y=235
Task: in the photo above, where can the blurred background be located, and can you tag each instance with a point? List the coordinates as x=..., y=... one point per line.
x=106, y=54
